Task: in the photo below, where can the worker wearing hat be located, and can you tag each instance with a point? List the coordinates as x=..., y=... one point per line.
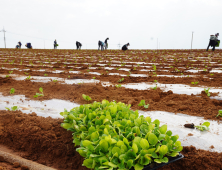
x=213, y=41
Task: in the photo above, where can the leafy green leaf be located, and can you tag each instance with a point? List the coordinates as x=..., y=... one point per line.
x=144, y=144
x=152, y=139
x=138, y=167
x=163, y=129
x=163, y=150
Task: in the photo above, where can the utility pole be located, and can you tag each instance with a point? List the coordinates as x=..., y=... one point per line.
x=44, y=44
x=157, y=44
x=4, y=35
x=192, y=41
x=119, y=45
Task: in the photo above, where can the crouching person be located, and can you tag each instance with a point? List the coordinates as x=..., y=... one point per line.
x=28, y=45
x=125, y=47
x=19, y=45
x=213, y=41
x=78, y=45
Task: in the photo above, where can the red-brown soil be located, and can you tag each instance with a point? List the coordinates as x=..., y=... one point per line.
x=4, y=165
x=44, y=141
x=157, y=99
x=174, y=62
x=39, y=139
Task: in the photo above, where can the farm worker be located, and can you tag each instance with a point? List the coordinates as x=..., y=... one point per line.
x=28, y=45
x=20, y=44
x=213, y=41
x=78, y=45
x=101, y=44
x=106, y=43
x=55, y=44
x=125, y=47
x=17, y=46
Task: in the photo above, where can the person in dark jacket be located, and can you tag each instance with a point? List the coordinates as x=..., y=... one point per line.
x=106, y=43
x=125, y=47
x=55, y=44
x=213, y=41
x=78, y=45
x=20, y=44
x=101, y=44
x=28, y=45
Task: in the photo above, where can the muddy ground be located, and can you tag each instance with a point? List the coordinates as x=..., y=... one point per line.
x=44, y=141
x=195, y=105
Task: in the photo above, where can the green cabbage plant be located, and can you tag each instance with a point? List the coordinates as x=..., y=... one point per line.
x=111, y=136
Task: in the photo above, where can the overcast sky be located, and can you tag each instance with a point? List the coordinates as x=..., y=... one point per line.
x=139, y=22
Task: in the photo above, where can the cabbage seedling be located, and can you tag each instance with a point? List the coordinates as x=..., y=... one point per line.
x=207, y=92
x=142, y=103
x=39, y=94
x=195, y=82
x=27, y=78
x=204, y=126
x=13, y=108
x=12, y=91
x=87, y=98
x=154, y=88
x=219, y=113
x=121, y=80
x=119, y=85
x=154, y=67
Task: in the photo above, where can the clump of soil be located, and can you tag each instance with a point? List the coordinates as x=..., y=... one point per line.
x=190, y=125
x=190, y=134
x=43, y=140
x=212, y=147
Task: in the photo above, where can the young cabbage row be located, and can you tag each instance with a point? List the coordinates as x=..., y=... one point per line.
x=111, y=136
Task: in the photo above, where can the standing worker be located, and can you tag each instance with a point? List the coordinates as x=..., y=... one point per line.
x=213, y=41
x=101, y=44
x=106, y=43
x=55, y=44
x=125, y=47
x=20, y=44
x=78, y=45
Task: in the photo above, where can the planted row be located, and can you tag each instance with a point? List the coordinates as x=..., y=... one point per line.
x=111, y=136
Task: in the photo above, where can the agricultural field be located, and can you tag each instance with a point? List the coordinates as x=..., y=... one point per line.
x=177, y=87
